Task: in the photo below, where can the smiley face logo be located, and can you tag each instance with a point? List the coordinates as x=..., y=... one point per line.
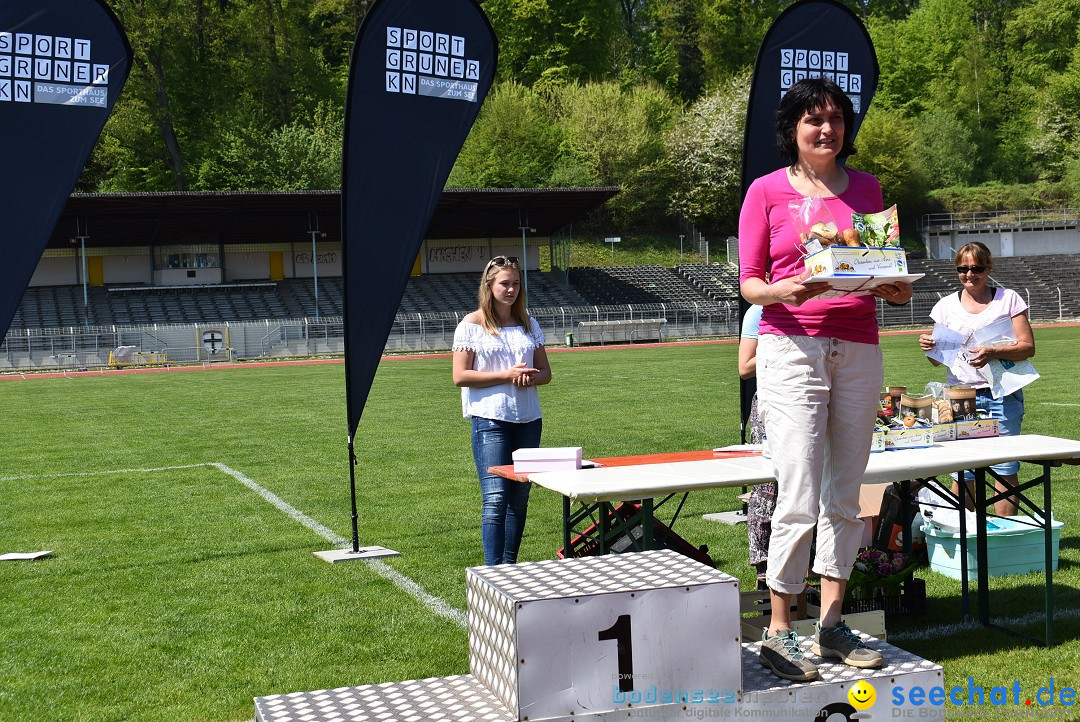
x=862, y=695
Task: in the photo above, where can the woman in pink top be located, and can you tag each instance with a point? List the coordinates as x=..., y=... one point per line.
x=819, y=373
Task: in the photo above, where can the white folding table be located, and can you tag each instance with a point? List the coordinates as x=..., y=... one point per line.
x=598, y=489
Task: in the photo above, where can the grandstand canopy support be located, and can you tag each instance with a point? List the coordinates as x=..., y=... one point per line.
x=524, y=226
x=83, y=234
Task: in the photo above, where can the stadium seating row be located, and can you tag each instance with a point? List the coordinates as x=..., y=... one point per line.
x=1052, y=284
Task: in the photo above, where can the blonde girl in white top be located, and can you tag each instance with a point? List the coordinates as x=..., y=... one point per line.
x=499, y=360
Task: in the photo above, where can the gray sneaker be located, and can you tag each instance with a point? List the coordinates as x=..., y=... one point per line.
x=782, y=655
x=839, y=642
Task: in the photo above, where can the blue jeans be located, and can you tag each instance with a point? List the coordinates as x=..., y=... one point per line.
x=1009, y=411
x=505, y=502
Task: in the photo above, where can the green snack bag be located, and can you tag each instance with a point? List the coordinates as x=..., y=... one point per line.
x=878, y=230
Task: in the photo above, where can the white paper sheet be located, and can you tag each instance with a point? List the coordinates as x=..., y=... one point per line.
x=947, y=345
x=998, y=333
x=1005, y=377
x=22, y=556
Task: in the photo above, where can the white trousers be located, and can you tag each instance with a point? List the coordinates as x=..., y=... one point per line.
x=818, y=398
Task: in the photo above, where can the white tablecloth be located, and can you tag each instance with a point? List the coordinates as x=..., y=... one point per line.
x=620, y=483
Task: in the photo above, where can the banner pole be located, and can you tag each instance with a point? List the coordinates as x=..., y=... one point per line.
x=352, y=493
x=355, y=551
x=83, y=232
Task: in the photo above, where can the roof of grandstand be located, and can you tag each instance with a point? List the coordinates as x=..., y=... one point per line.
x=140, y=219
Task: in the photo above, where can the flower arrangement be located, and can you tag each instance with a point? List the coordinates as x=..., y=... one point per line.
x=877, y=569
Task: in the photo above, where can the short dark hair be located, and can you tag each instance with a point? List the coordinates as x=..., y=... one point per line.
x=802, y=97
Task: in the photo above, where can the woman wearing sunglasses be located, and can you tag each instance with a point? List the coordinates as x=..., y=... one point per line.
x=977, y=305
x=499, y=360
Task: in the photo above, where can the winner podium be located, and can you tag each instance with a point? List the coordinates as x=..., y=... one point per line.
x=650, y=635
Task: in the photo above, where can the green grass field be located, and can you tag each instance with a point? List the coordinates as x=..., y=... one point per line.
x=183, y=509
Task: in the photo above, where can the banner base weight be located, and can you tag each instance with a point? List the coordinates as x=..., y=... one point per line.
x=727, y=517
x=348, y=555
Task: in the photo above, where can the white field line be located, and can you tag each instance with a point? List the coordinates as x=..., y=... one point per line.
x=99, y=473
x=1051, y=403
x=435, y=604
x=958, y=628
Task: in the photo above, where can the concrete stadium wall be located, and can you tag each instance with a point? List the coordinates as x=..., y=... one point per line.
x=56, y=271
x=329, y=260
x=135, y=268
x=1002, y=242
x=241, y=265
x=472, y=254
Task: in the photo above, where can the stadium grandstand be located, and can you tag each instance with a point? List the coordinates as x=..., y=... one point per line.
x=189, y=277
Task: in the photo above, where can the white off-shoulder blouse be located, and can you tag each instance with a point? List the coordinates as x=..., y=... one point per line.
x=513, y=345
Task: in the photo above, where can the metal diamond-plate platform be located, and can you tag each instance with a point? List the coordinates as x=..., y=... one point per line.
x=758, y=678
x=612, y=573
x=438, y=699
x=492, y=639
x=598, y=639
x=463, y=698
x=544, y=636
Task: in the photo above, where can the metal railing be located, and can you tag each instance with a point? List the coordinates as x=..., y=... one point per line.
x=77, y=347
x=999, y=219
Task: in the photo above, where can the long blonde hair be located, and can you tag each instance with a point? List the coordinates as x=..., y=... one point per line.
x=486, y=299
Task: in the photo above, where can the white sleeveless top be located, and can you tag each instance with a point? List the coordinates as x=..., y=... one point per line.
x=504, y=402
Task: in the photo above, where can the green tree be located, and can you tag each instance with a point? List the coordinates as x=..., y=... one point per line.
x=615, y=137
x=731, y=33
x=550, y=42
x=705, y=152
x=946, y=148
x=302, y=155
x=1071, y=185
x=152, y=29
x=954, y=55
x=673, y=55
x=919, y=56
x=513, y=143
x=1035, y=139
x=884, y=145
x=334, y=24
x=201, y=72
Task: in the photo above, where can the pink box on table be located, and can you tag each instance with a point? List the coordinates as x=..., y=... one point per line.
x=556, y=458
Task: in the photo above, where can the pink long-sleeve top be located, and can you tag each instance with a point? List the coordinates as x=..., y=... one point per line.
x=768, y=242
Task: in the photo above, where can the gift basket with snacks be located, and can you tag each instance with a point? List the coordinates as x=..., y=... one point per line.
x=852, y=260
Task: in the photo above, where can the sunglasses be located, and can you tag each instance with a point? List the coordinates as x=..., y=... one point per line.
x=972, y=269
x=501, y=261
